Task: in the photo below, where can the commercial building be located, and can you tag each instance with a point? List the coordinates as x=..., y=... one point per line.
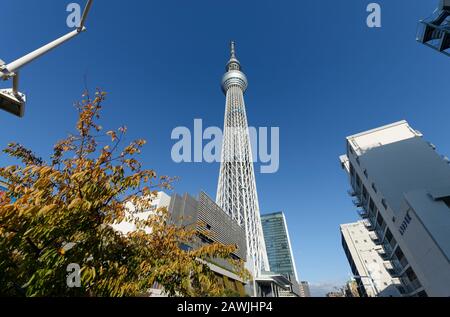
x=367, y=265
x=279, y=250
x=212, y=225
x=335, y=294
x=351, y=289
x=401, y=187
x=304, y=289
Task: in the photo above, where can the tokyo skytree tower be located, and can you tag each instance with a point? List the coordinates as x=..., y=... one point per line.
x=236, y=192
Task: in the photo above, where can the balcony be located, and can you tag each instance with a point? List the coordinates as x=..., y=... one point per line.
x=397, y=267
x=382, y=253
x=388, y=249
x=388, y=265
x=372, y=219
x=411, y=287
x=373, y=236
x=358, y=203
x=397, y=282
x=367, y=224
x=381, y=231
x=363, y=213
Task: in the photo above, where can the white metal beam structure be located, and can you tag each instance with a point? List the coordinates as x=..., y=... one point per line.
x=236, y=192
x=11, y=100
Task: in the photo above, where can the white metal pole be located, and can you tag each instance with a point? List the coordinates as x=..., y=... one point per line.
x=85, y=14
x=19, y=63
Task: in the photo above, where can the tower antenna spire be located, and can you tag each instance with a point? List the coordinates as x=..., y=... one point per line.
x=233, y=49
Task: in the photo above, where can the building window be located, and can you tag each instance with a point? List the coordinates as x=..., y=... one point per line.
x=365, y=174
x=383, y=202
x=446, y=200
x=411, y=275
x=422, y=294
x=371, y=205
x=389, y=235
x=374, y=188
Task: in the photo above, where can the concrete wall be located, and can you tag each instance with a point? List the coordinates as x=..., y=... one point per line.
x=401, y=174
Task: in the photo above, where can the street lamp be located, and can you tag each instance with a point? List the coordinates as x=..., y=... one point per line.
x=13, y=101
x=435, y=30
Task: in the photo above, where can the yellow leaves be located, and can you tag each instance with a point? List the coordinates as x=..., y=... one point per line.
x=77, y=199
x=75, y=203
x=87, y=205
x=79, y=176
x=30, y=211
x=88, y=274
x=45, y=170
x=47, y=209
x=113, y=135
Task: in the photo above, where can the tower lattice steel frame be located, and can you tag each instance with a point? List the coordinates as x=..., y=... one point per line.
x=236, y=192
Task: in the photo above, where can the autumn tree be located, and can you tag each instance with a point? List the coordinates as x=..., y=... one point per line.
x=61, y=212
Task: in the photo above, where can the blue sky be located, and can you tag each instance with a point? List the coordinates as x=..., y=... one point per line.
x=315, y=70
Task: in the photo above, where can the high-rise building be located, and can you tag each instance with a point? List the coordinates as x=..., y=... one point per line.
x=304, y=289
x=368, y=266
x=279, y=249
x=236, y=192
x=401, y=186
x=351, y=289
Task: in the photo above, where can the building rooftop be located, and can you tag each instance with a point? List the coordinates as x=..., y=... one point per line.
x=384, y=135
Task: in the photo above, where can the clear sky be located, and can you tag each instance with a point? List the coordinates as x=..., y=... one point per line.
x=315, y=70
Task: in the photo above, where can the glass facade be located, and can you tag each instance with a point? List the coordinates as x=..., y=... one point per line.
x=278, y=245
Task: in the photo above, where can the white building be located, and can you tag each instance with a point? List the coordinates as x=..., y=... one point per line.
x=402, y=187
x=128, y=225
x=368, y=266
x=304, y=289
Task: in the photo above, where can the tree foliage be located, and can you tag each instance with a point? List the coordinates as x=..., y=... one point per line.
x=62, y=212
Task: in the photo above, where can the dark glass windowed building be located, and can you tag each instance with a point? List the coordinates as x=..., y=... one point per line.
x=279, y=250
